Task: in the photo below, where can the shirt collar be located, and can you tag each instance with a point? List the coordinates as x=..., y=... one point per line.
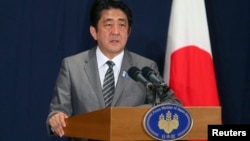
x=102, y=59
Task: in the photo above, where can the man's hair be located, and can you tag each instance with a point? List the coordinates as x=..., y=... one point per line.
x=100, y=5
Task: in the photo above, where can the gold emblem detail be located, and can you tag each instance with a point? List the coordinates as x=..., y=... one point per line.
x=168, y=124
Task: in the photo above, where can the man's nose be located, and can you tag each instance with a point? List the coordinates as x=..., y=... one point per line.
x=115, y=29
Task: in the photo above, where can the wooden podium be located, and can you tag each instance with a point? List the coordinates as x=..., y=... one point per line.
x=126, y=124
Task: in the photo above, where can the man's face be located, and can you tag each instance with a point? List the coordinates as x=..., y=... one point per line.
x=112, y=32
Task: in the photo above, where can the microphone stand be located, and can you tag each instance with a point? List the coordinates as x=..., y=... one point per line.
x=156, y=95
x=159, y=92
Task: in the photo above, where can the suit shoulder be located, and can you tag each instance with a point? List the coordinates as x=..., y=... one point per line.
x=79, y=56
x=140, y=58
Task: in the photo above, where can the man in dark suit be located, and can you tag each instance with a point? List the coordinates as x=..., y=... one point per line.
x=79, y=84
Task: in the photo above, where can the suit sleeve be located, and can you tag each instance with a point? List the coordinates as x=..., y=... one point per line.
x=61, y=100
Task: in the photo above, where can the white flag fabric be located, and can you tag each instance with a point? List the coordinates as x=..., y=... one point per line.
x=189, y=68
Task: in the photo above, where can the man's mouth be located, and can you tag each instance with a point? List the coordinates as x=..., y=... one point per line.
x=114, y=41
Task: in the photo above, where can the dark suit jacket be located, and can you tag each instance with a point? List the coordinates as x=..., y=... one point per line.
x=78, y=87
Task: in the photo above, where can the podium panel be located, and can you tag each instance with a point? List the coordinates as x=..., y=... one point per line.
x=126, y=124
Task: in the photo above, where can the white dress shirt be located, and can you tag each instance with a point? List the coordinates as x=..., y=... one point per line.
x=103, y=67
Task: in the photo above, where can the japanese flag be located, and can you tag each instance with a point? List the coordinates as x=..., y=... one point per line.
x=189, y=68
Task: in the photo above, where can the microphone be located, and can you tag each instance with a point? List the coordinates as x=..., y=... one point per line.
x=150, y=75
x=136, y=75
x=164, y=90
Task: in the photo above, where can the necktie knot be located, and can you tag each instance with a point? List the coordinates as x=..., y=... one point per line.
x=110, y=64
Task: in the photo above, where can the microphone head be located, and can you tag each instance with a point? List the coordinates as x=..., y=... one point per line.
x=147, y=71
x=150, y=75
x=133, y=73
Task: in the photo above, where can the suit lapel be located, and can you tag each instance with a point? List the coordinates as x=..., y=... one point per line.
x=122, y=80
x=93, y=74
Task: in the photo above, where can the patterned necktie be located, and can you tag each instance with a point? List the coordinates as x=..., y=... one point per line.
x=109, y=84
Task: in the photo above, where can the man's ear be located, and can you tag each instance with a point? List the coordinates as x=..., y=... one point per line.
x=93, y=32
x=129, y=31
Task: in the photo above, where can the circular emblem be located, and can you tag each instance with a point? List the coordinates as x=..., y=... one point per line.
x=167, y=122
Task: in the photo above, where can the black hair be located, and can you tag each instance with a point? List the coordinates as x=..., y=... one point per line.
x=100, y=5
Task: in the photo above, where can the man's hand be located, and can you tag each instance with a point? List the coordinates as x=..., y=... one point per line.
x=57, y=123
